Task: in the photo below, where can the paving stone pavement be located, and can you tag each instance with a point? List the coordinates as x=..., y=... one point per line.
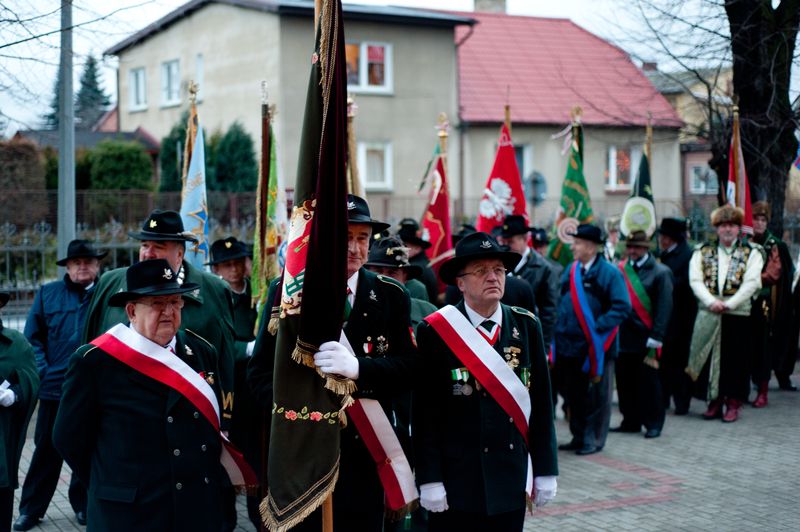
x=698, y=476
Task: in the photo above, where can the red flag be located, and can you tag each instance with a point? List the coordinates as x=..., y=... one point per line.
x=503, y=192
x=436, y=220
x=738, y=191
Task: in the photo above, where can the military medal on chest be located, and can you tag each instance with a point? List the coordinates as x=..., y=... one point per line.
x=381, y=345
x=511, y=355
x=460, y=377
x=368, y=346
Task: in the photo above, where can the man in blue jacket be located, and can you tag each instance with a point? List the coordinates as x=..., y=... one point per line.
x=594, y=302
x=54, y=328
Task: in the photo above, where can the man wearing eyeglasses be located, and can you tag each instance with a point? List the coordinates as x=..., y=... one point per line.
x=139, y=421
x=482, y=419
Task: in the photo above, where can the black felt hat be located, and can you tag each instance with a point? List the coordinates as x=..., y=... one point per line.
x=514, y=224
x=4, y=297
x=226, y=249
x=389, y=252
x=358, y=213
x=150, y=278
x=539, y=236
x=474, y=247
x=589, y=232
x=163, y=225
x=409, y=233
x=674, y=228
x=464, y=230
x=81, y=249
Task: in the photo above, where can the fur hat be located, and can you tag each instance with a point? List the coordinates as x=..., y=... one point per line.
x=762, y=208
x=727, y=214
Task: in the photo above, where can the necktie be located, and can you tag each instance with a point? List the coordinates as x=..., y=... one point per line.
x=348, y=308
x=489, y=330
x=583, y=271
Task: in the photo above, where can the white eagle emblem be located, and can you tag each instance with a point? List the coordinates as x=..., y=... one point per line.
x=351, y=205
x=497, y=200
x=486, y=244
x=167, y=274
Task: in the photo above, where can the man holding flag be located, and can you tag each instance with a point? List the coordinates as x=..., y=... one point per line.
x=594, y=302
x=642, y=335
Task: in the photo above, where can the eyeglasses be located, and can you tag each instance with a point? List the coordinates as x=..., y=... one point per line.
x=483, y=272
x=161, y=305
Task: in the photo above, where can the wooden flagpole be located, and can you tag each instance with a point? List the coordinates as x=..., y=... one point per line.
x=353, y=180
x=507, y=109
x=648, y=143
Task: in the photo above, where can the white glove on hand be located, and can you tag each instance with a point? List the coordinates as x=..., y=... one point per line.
x=654, y=344
x=7, y=397
x=335, y=358
x=545, y=489
x=433, y=497
x=248, y=350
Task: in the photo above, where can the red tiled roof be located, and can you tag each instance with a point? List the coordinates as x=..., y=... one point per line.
x=551, y=65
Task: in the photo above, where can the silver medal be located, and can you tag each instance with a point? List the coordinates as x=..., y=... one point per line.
x=466, y=389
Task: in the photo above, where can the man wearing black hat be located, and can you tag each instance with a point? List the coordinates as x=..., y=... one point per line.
x=408, y=232
x=482, y=419
x=53, y=328
x=676, y=254
x=594, y=302
x=641, y=338
x=541, y=242
x=228, y=256
x=19, y=383
x=140, y=415
x=378, y=329
x=208, y=308
x=534, y=269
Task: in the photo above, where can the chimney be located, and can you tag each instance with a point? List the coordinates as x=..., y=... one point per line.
x=490, y=6
x=649, y=66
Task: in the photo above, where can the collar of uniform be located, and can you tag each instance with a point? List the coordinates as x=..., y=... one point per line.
x=172, y=343
x=189, y=274
x=639, y=263
x=523, y=260
x=476, y=319
x=589, y=264
x=352, y=284
x=672, y=248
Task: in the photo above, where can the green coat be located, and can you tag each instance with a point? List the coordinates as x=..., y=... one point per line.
x=18, y=367
x=208, y=310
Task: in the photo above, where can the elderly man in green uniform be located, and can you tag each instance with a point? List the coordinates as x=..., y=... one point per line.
x=19, y=385
x=484, y=437
x=139, y=420
x=208, y=307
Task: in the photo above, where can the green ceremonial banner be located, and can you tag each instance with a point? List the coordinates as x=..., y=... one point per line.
x=640, y=211
x=576, y=205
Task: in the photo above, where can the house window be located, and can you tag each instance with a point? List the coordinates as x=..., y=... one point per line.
x=703, y=180
x=623, y=163
x=524, y=155
x=138, y=89
x=170, y=83
x=198, y=76
x=375, y=165
x=369, y=67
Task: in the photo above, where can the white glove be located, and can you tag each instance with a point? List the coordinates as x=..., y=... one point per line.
x=654, y=344
x=7, y=397
x=248, y=351
x=433, y=497
x=335, y=358
x=545, y=489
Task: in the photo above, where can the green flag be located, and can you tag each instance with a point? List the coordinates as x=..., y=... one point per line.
x=640, y=212
x=576, y=206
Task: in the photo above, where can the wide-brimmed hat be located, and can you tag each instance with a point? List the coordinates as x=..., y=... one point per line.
x=475, y=247
x=514, y=224
x=638, y=239
x=674, y=228
x=150, y=278
x=161, y=226
x=727, y=214
x=463, y=230
x=4, y=297
x=226, y=249
x=409, y=233
x=358, y=213
x=389, y=252
x=81, y=249
x=589, y=232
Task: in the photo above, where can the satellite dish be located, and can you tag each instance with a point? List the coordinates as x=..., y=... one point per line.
x=535, y=186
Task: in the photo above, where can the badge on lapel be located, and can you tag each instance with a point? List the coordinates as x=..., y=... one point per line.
x=382, y=346
x=372, y=296
x=188, y=350
x=511, y=356
x=208, y=376
x=368, y=346
x=515, y=333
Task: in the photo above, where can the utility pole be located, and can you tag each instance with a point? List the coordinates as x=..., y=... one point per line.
x=66, y=137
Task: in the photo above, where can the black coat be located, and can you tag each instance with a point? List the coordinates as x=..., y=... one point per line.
x=468, y=442
x=540, y=276
x=684, y=303
x=149, y=458
x=657, y=282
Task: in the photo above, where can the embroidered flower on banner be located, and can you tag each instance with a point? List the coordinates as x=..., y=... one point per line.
x=305, y=415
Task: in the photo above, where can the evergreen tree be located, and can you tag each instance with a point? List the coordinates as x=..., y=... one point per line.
x=91, y=102
x=235, y=164
x=171, y=147
x=50, y=119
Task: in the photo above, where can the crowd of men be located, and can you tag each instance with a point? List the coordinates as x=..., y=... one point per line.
x=149, y=378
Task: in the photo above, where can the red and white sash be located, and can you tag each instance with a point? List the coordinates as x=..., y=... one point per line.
x=158, y=363
x=381, y=440
x=479, y=357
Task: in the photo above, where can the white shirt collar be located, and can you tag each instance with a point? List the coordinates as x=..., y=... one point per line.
x=589, y=264
x=672, y=247
x=522, y=261
x=172, y=343
x=352, y=283
x=640, y=262
x=476, y=319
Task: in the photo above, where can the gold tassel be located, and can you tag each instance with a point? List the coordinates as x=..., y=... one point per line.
x=303, y=356
x=339, y=386
x=272, y=326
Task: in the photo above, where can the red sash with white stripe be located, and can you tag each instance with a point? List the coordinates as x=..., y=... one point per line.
x=381, y=441
x=479, y=357
x=159, y=364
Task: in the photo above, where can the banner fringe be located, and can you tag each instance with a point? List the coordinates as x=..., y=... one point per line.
x=272, y=524
x=340, y=386
x=272, y=326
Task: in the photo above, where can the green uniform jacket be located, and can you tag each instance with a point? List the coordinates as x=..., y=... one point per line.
x=150, y=460
x=18, y=367
x=208, y=310
x=469, y=442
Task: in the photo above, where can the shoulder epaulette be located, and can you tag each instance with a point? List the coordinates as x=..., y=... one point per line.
x=392, y=282
x=524, y=312
x=189, y=331
x=89, y=350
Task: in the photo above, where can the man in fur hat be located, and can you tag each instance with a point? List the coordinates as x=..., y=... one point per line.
x=724, y=275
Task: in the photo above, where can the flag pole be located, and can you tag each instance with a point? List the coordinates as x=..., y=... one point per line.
x=736, y=140
x=575, y=114
x=648, y=143
x=353, y=180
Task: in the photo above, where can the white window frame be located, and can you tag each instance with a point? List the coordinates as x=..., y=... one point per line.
x=704, y=190
x=611, y=162
x=199, y=67
x=363, y=75
x=387, y=184
x=137, y=86
x=527, y=160
x=170, y=83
